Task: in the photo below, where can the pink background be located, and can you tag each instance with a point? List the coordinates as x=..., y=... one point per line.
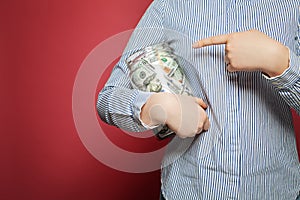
x=42, y=45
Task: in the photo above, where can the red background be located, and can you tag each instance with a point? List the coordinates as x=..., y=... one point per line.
x=42, y=45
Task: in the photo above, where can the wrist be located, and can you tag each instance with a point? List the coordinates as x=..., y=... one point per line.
x=281, y=59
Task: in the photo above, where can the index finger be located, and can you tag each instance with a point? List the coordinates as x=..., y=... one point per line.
x=219, y=39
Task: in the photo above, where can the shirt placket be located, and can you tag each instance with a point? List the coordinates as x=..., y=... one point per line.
x=230, y=156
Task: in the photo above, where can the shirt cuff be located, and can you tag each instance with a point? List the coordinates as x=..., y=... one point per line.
x=289, y=76
x=140, y=99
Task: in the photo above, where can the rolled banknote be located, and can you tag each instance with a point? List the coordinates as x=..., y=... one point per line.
x=156, y=69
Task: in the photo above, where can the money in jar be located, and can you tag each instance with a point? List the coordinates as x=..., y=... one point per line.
x=156, y=69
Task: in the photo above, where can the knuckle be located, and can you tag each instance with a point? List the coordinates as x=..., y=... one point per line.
x=230, y=69
x=228, y=47
x=233, y=64
x=229, y=56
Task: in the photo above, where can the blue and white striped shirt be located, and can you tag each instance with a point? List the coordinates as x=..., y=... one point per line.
x=253, y=155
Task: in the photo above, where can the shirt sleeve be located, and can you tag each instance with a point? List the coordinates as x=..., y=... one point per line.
x=118, y=103
x=288, y=83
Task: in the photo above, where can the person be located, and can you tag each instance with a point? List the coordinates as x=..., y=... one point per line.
x=247, y=55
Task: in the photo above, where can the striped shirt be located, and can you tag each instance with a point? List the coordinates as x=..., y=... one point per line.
x=252, y=154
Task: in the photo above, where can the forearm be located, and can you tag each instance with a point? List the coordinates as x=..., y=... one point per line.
x=121, y=107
